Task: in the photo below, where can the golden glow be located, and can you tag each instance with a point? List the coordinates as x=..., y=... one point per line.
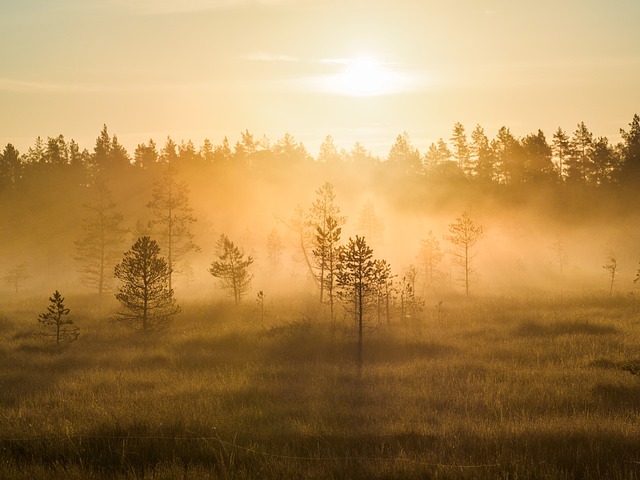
x=365, y=77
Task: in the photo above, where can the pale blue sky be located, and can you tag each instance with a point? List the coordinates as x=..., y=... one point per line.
x=203, y=68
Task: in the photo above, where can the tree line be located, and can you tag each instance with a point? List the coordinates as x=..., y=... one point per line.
x=578, y=157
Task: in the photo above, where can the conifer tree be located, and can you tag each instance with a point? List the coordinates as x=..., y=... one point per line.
x=464, y=236
x=356, y=280
x=232, y=268
x=144, y=291
x=172, y=217
x=103, y=234
x=326, y=255
x=55, y=318
x=325, y=222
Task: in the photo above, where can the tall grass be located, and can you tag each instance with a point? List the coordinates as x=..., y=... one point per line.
x=484, y=388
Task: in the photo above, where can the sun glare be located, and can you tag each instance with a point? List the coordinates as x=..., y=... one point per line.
x=364, y=77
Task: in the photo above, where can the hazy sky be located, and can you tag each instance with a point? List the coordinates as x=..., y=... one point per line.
x=209, y=68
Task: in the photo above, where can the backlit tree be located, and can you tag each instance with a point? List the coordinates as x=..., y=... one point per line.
x=232, y=268
x=98, y=250
x=464, y=237
x=356, y=281
x=172, y=217
x=147, y=300
x=55, y=320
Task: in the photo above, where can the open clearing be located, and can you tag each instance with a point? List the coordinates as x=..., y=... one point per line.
x=482, y=388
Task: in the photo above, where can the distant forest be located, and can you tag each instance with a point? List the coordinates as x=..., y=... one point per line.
x=248, y=188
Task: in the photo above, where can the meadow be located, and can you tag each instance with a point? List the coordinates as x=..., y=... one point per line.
x=511, y=388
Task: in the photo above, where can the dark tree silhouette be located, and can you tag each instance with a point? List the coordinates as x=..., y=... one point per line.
x=10, y=167
x=55, y=318
x=561, y=149
x=537, y=157
x=464, y=236
x=144, y=291
x=481, y=156
x=356, y=280
x=461, y=151
x=109, y=157
x=580, y=163
x=146, y=156
x=630, y=150
x=232, y=268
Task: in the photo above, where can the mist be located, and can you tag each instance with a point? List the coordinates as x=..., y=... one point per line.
x=542, y=234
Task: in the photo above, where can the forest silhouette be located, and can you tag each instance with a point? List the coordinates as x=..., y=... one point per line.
x=523, y=190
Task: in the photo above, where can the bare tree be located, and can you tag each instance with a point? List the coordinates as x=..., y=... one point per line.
x=464, y=236
x=232, y=268
x=144, y=292
x=56, y=316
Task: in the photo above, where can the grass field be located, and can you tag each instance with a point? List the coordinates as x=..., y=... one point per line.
x=486, y=388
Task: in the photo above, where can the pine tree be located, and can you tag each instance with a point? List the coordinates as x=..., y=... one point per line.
x=172, y=218
x=481, y=156
x=144, y=291
x=326, y=255
x=56, y=317
x=630, y=150
x=580, y=163
x=325, y=222
x=356, y=281
x=464, y=236
x=232, y=268
x=461, y=149
x=561, y=149
x=100, y=246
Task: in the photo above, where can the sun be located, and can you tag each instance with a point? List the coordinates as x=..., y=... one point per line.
x=364, y=77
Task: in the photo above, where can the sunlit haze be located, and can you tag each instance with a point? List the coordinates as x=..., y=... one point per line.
x=331, y=239
x=359, y=71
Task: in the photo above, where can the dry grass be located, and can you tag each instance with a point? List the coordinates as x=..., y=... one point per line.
x=492, y=388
